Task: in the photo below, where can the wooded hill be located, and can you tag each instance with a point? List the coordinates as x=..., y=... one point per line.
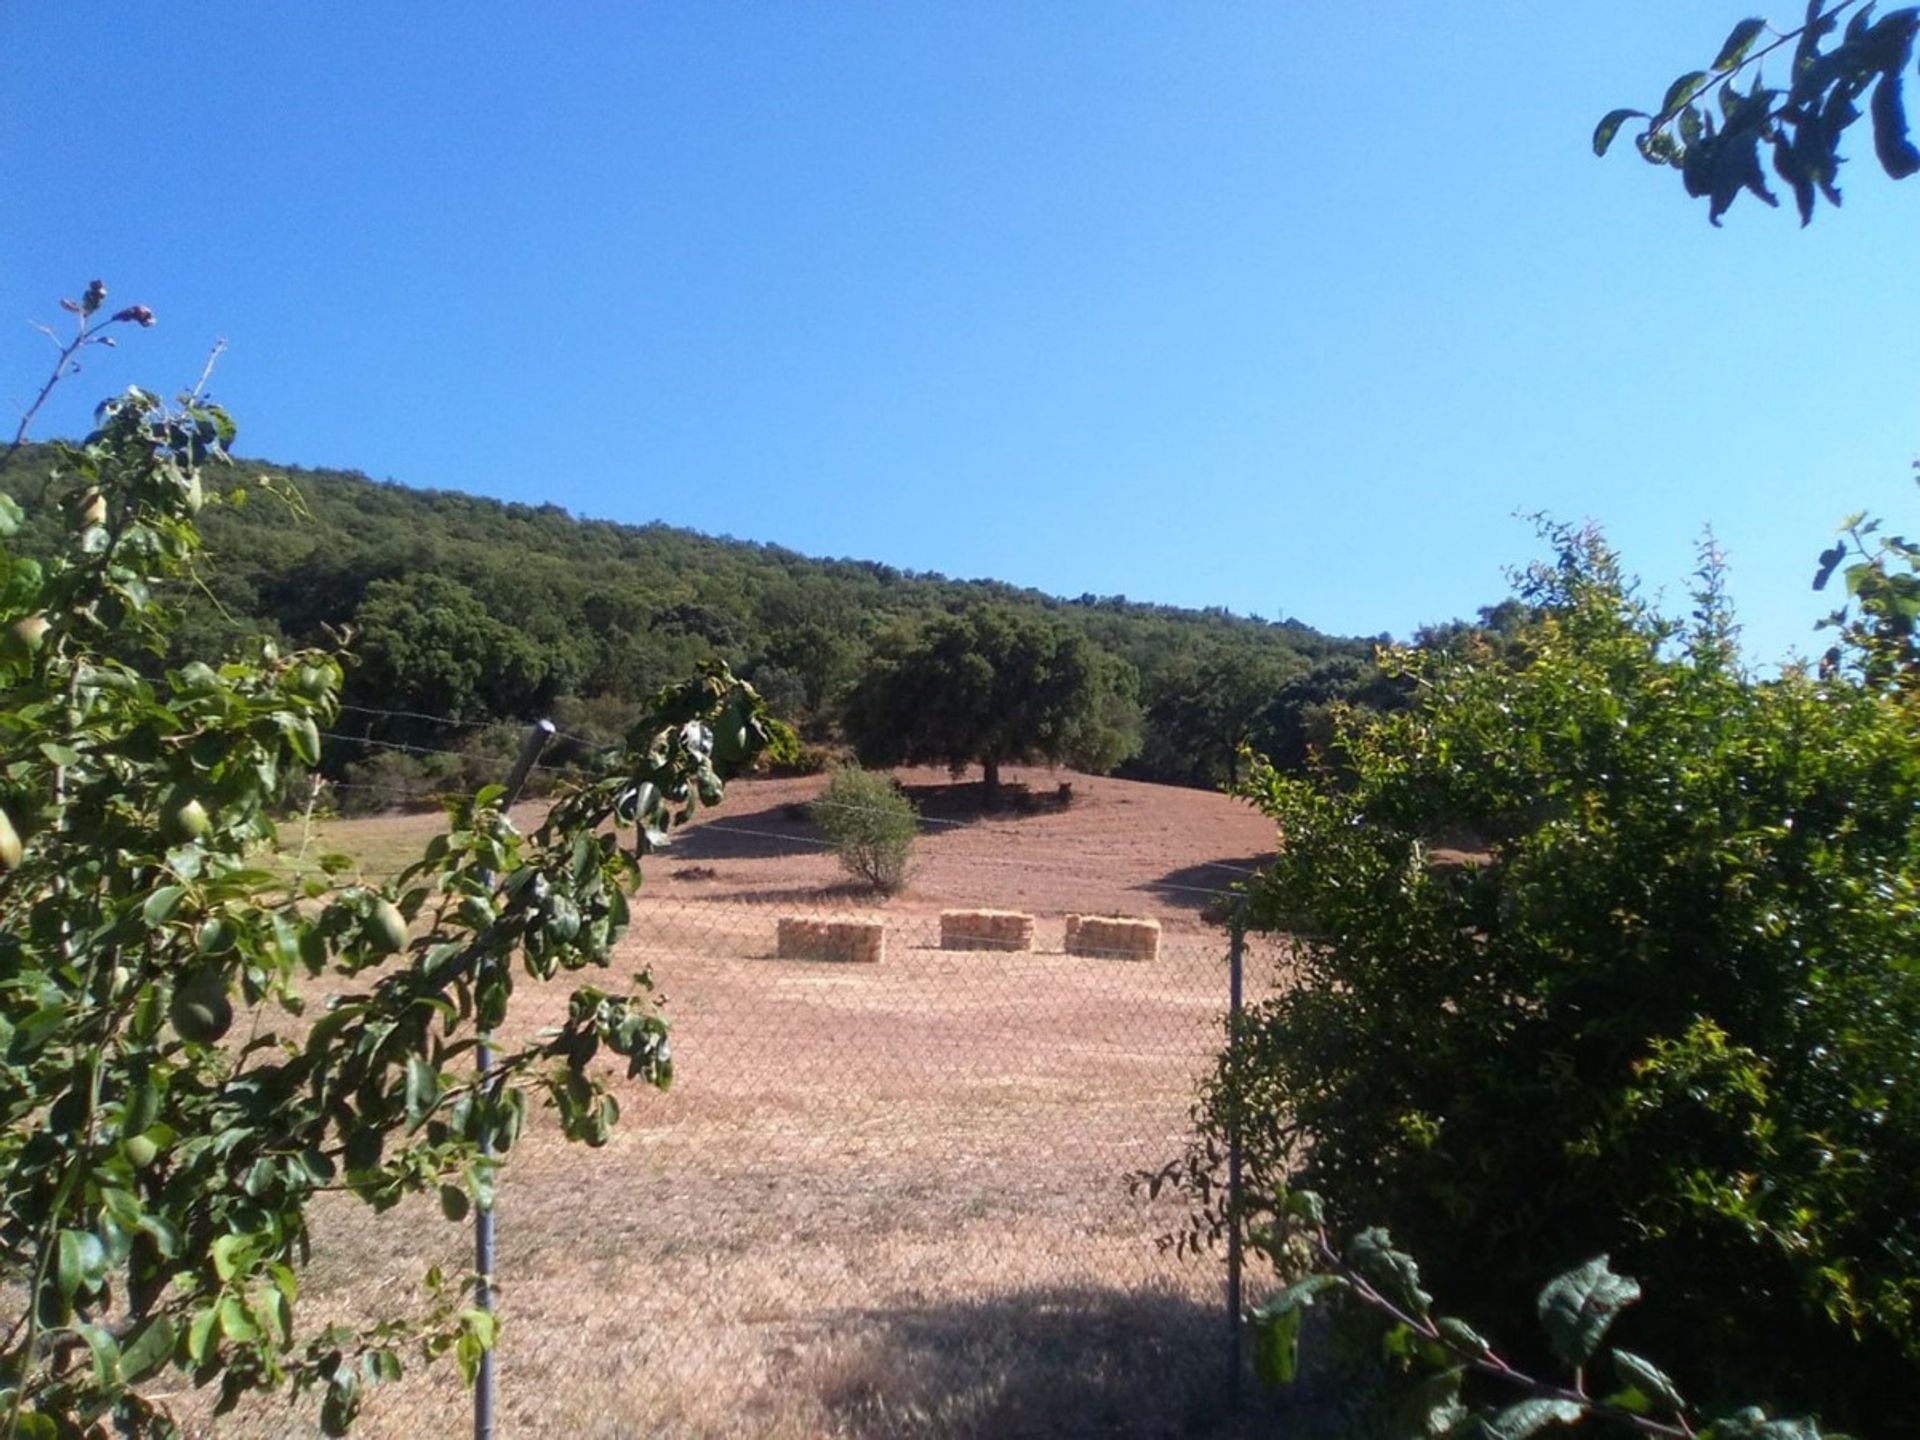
x=477, y=610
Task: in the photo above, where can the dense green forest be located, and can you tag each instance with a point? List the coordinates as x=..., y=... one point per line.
x=474, y=611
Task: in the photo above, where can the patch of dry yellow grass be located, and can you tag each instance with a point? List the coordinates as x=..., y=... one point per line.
x=881, y=1201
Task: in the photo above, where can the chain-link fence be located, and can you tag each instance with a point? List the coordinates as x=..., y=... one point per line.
x=887, y=1195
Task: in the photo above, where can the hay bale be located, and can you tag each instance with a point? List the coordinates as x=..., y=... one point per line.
x=985, y=930
x=1117, y=937
x=859, y=942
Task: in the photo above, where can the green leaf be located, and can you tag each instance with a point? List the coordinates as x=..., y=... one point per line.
x=35, y=1030
x=236, y=1321
x=1577, y=1307
x=1299, y=1295
x=1433, y=1407
x=1649, y=1380
x=484, y=1325
x=230, y=1253
x=161, y=904
x=1683, y=90
x=423, y=1088
x=1392, y=1272
x=106, y=1356
x=1276, y=1346
x=341, y=1403
x=1462, y=1336
x=80, y=1262
x=1738, y=43
x=148, y=1348
x=200, y=1335
x=1609, y=127
x=66, y=1269
x=303, y=737
x=1516, y=1422
x=1307, y=1207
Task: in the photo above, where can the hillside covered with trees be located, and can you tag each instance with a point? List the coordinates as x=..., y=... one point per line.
x=474, y=610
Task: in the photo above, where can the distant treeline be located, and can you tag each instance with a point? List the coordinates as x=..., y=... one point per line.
x=477, y=610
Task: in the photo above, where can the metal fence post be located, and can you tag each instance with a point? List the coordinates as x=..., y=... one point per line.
x=1236, y=1329
x=483, y=1385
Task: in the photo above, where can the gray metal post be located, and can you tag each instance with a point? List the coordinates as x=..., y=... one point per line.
x=1236, y=1329
x=483, y=1384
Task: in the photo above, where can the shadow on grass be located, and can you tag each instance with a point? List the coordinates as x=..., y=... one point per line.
x=848, y=898
x=1073, y=1362
x=965, y=801
x=767, y=834
x=777, y=831
x=1208, y=886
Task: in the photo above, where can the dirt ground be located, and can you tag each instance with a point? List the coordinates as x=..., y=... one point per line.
x=881, y=1200
x=1119, y=847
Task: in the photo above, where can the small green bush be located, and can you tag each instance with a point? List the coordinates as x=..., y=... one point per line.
x=871, y=825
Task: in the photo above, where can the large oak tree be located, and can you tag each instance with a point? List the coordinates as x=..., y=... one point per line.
x=992, y=686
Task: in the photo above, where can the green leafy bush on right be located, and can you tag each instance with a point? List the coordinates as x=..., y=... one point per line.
x=1604, y=945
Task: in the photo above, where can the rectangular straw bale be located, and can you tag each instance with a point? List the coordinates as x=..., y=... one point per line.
x=985, y=930
x=1115, y=936
x=860, y=942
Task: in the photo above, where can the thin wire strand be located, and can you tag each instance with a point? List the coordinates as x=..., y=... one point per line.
x=425, y=750
x=451, y=723
x=601, y=745
x=733, y=828
x=809, y=841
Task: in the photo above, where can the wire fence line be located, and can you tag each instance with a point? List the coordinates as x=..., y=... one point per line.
x=373, y=795
x=518, y=729
x=886, y=1196
x=890, y=1193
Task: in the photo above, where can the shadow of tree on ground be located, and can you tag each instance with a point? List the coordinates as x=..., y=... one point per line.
x=767, y=834
x=965, y=801
x=1056, y=1362
x=781, y=830
x=1207, y=887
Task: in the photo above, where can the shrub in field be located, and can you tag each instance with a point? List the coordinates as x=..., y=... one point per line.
x=1664, y=1007
x=871, y=825
x=166, y=1114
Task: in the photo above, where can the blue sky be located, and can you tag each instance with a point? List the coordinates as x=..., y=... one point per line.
x=1280, y=306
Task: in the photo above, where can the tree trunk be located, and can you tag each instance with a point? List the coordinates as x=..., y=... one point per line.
x=990, y=766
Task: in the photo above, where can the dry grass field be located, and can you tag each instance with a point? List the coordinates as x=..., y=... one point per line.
x=880, y=1201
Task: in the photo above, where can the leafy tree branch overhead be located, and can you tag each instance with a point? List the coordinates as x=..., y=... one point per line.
x=1840, y=55
x=168, y=1110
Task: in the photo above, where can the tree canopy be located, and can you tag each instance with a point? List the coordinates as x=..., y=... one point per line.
x=1601, y=946
x=168, y=1113
x=479, y=610
x=992, y=686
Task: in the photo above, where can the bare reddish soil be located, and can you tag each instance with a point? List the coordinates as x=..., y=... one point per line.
x=1120, y=847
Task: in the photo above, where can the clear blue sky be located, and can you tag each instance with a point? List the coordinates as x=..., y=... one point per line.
x=1286, y=307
